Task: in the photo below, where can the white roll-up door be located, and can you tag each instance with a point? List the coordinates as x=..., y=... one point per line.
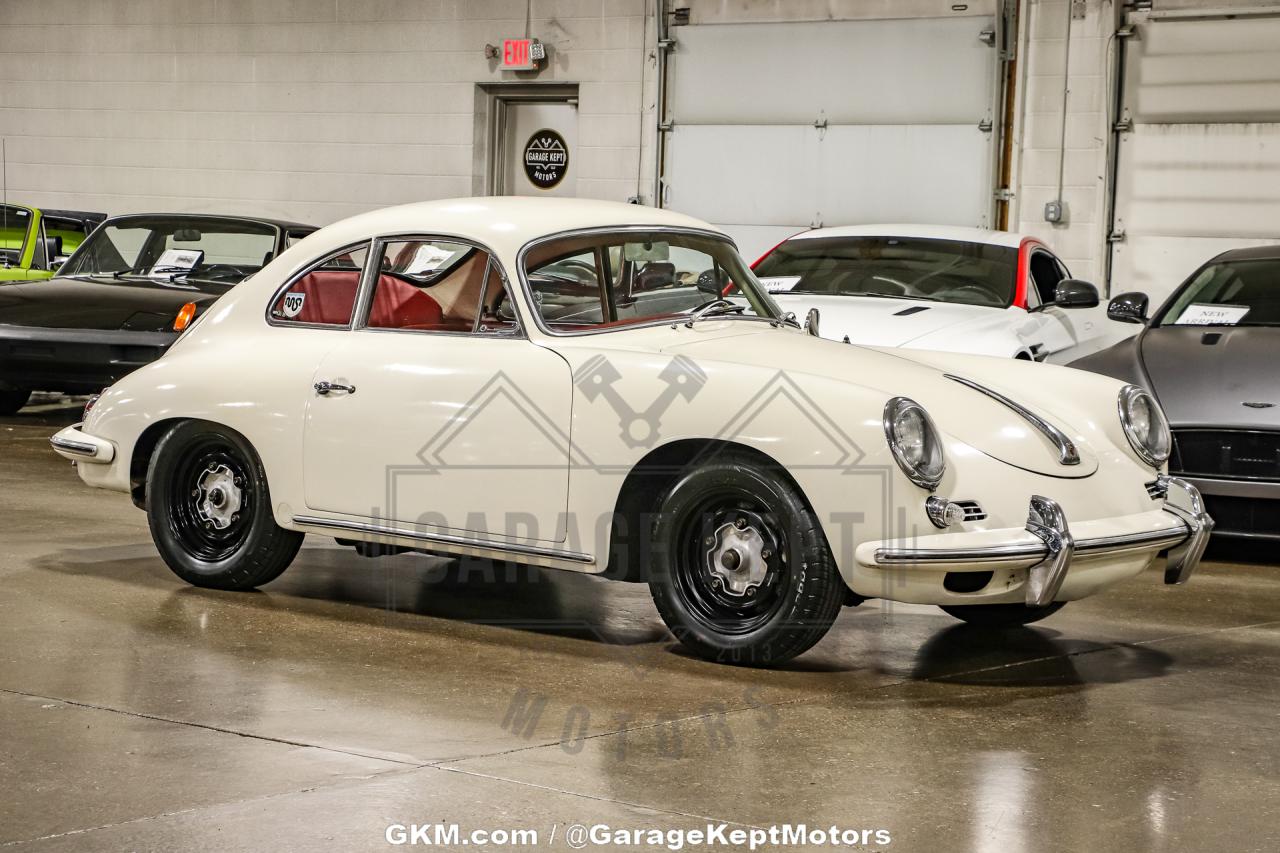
x=779, y=127
x=1199, y=167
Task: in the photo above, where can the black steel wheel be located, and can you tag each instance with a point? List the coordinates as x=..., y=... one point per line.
x=742, y=572
x=209, y=509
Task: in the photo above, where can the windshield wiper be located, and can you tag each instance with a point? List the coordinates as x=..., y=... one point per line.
x=713, y=308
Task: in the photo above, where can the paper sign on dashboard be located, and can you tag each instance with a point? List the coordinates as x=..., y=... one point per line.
x=1212, y=315
x=177, y=260
x=779, y=283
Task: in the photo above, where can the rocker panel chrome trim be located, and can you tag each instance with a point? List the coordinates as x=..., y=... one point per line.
x=444, y=539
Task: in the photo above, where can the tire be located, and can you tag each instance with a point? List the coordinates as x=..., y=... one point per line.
x=1001, y=615
x=201, y=477
x=763, y=608
x=13, y=399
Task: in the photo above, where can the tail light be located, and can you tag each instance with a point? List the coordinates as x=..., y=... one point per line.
x=90, y=403
x=185, y=316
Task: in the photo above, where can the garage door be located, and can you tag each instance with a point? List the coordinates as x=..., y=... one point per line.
x=1199, y=170
x=779, y=127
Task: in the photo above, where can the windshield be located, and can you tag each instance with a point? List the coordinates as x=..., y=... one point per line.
x=1230, y=293
x=175, y=248
x=584, y=282
x=894, y=267
x=15, y=222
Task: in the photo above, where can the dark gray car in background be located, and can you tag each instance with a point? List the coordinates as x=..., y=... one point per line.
x=1211, y=356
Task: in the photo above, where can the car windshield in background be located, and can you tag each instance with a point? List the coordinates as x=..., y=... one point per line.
x=583, y=282
x=895, y=267
x=1231, y=293
x=175, y=248
x=15, y=222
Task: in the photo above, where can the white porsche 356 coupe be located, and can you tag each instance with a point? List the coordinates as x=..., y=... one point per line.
x=946, y=288
x=562, y=383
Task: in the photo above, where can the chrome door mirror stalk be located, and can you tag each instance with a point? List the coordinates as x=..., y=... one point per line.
x=811, y=322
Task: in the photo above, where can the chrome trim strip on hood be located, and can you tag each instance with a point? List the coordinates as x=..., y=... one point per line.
x=1067, y=452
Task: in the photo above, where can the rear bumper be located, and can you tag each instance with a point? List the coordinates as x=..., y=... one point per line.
x=75, y=360
x=1040, y=557
x=71, y=443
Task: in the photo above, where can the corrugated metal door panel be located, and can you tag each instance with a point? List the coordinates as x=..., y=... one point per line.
x=899, y=173
x=898, y=104
x=854, y=72
x=1199, y=172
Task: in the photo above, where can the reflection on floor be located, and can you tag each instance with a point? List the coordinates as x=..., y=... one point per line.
x=140, y=713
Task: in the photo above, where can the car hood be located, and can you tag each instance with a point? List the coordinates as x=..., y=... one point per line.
x=101, y=303
x=1066, y=398
x=1205, y=376
x=874, y=321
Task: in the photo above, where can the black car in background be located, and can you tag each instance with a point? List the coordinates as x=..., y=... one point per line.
x=1211, y=355
x=123, y=297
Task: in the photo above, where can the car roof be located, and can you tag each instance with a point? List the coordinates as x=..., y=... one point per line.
x=505, y=222
x=260, y=220
x=927, y=232
x=1252, y=253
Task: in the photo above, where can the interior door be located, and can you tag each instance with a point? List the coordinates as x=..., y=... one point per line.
x=540, y=149
x=444, y=432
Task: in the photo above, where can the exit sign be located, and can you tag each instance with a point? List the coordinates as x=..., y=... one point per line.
x=522, y=54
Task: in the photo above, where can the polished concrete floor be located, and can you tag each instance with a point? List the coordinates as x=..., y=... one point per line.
x=137, y=713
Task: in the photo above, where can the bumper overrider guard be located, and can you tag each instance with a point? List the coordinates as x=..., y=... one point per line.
x=1056, y=548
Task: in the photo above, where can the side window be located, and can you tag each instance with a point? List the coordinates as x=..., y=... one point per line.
x=584, y=282
x=1045, y=274
x=325, y=294
x=430, y=285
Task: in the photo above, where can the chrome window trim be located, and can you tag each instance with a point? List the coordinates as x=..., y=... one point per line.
x=300, y=271
x=365, y=299
x=444, y=538
x=1127, y=394
x=527, y=290
x=1067, y=452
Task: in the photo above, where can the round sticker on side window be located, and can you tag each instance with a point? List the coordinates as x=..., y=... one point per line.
x=546, y=159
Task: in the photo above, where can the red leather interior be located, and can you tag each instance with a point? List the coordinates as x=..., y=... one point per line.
x=329, y=296
x=399, y=305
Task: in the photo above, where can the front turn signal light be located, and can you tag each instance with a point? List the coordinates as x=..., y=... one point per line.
x=185, y=316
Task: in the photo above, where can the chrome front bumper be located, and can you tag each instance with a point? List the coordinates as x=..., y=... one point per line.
x=1049, y=559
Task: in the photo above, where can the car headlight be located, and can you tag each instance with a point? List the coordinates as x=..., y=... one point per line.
x=1145, y=425
x=914, y=442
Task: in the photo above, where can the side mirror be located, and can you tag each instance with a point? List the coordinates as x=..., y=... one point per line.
x=1129, y=308
x=811, y=322
x=710, y=283
x=1074, y=293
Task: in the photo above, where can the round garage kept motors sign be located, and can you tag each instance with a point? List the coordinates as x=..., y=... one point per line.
x=546, y=159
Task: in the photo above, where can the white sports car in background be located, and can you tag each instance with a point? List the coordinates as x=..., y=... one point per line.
x=943, y=288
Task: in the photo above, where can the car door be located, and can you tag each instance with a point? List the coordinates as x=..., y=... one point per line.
x=1050, y=330
x=439, y=416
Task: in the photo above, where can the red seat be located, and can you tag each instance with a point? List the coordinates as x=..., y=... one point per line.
x=400, y=305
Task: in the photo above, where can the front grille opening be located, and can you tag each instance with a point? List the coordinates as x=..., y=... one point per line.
x=1156, y=490
x=966, y=581
x=973, y=510
x=1227, y=454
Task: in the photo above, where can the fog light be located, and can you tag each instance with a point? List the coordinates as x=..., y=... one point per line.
x=942, y=512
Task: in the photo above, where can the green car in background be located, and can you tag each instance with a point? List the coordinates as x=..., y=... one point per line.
x=35, y=242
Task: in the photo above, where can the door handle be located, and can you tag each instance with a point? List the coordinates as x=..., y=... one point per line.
x=324, y=388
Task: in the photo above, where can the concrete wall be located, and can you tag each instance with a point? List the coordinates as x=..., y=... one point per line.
x=1039, y=142
x=307, y=109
